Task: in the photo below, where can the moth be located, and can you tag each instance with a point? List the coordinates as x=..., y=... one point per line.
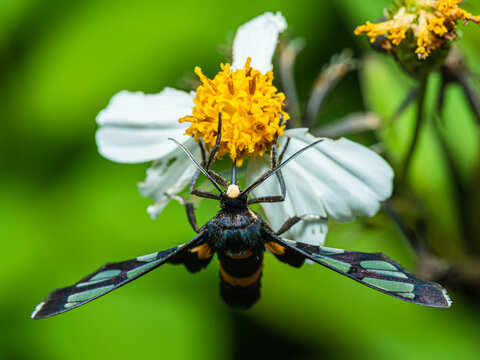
x=240, y=237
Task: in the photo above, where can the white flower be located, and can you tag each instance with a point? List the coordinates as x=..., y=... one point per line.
x=336, y=177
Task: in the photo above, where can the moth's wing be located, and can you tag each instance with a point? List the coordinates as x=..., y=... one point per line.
x=195, y=259
x=375, y=270
x=285, y=254
x=108, y=278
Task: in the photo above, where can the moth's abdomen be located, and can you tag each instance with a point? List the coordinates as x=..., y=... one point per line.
x=240, y=278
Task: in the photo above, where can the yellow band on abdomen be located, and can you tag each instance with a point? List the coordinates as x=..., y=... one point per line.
x=243, y=282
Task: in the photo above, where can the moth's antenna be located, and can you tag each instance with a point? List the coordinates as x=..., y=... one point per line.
x=270, y=172
x=198, y=165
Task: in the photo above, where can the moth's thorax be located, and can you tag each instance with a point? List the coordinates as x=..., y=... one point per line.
x=235, y=230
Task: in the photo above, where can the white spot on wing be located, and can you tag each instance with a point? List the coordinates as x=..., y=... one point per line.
x=391, y=286
x=89, y=294
x=377, y=265
x=329, y=250
x=390, y=273
x=449, y=302
x=147, y=258
x=90, y=283
x=406, y=295
x=107, y=274
x=70, y=304
x=39, y=307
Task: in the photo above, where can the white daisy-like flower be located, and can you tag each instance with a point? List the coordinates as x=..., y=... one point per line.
x=338, y=178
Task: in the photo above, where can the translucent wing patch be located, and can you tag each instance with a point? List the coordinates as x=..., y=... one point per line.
x=375, y=270
x=109, y=277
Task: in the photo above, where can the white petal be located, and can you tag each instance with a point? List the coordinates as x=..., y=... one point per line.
x=340, y=177
x=351, y=179
x=299, y=201
x=135, y=127
x=258, y=39
x=168, y=176
x=128, y=145
x=149, y=110
x=155, y=209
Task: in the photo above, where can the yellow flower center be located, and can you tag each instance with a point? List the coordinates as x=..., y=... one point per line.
x=250, y=107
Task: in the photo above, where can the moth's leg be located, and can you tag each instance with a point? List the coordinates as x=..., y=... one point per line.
x=201, y=193
x=214, y=151
x=281, y=181
x=192, y=219
x=193, y=183
x=280, y=158
x=218, y=178
x=273, y=153
x=202, y=151
x=272, y=199
x=295, y=219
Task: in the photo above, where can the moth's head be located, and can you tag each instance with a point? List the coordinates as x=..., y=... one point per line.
x=233, y=191
x=233, y=198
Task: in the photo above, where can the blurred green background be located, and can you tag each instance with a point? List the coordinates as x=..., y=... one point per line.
x=64, y=210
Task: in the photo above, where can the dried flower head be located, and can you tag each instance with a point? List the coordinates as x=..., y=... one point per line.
x=433, y=23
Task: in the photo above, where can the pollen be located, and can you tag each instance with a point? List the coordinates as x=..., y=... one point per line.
x=432, y=22
x=250, y=106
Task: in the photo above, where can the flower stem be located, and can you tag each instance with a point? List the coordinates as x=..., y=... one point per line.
x=418, y=124
x=287, y=56
x=410, y=234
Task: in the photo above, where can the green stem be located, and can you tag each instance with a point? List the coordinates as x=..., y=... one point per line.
x=286, y=61
x=418, y=124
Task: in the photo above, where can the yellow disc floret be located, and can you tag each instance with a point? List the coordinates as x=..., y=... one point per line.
x=250, y=107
